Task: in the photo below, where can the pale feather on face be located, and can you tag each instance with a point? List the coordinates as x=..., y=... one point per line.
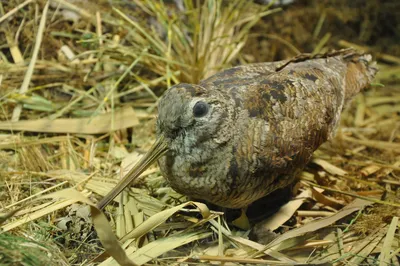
x=178, y=123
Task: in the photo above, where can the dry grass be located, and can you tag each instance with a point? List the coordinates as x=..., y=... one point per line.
x=79, y=84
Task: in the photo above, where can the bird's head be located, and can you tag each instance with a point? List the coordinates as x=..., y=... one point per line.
x=192, y=121
x=189, y=116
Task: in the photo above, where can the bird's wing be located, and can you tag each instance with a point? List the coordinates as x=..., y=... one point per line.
x=296, y=108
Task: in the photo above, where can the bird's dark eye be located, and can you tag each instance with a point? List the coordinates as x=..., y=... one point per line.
x=200, y=109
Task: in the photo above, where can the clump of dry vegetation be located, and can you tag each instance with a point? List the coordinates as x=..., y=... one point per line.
x=80, y=82
x=16, y=250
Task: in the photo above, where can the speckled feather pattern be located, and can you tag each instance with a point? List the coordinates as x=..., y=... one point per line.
x=265, y=121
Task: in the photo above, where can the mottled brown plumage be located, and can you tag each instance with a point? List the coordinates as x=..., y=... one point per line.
x=263, y=124
x=247, y=131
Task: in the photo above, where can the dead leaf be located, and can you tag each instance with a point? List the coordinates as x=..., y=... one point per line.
x=330, y=168
x=286, y=211
x=159, y=247
x=103, y=228
x=387, y=244
x=325, y=200
x=37, y=212
x=376, y=144
x=365, y=247
x=313, y=226
x=161, y=217
x=157, y=219
x=4, y=217
x=120, y=119
x=254, y=245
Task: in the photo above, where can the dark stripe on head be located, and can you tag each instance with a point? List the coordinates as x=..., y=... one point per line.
x=193, y=90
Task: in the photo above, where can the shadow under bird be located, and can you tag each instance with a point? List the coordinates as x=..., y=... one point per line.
x=248, y=130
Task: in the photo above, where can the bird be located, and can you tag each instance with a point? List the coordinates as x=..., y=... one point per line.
x=249, y=130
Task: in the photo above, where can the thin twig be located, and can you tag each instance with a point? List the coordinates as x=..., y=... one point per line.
x=15, y=10
x=29, y=72
x=354, y=195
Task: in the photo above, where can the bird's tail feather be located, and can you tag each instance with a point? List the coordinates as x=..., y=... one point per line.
x=361, y=70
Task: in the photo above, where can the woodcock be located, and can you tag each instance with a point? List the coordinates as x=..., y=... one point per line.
x=248, y=130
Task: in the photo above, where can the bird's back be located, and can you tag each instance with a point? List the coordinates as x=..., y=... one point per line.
x=285, y=111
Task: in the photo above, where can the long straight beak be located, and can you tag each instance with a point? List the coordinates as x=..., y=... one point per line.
x=156, y=151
